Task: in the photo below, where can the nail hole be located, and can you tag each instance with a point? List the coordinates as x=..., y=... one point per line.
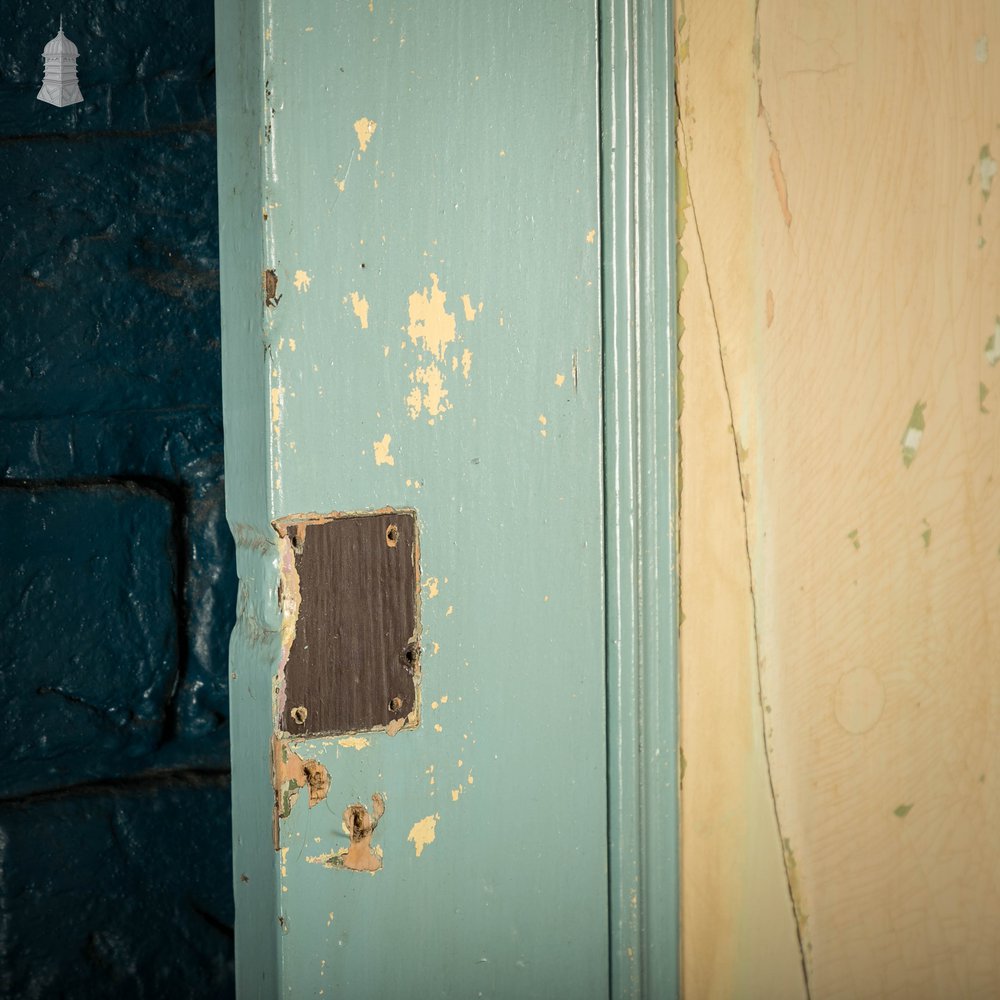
x=391, y=536
x=299, y=714
x=395, y=704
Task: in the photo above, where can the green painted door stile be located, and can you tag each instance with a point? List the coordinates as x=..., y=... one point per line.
x=447, y=289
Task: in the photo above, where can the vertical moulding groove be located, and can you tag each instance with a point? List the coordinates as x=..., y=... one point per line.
x=636, y=54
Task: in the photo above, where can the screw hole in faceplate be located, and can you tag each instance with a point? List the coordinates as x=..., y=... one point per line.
x=395, y=704
x=299, y=714
x=408, y=658
x=391, y=536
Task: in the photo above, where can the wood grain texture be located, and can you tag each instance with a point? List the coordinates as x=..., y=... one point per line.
x=840, y=161
x=355, y=658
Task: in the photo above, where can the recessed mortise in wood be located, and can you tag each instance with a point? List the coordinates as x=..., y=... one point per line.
x=350, y=590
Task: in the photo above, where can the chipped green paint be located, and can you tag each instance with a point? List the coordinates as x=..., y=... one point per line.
x=992, y=349
x=395, y=138
x=913, y=434
x=855, y=540
x=984, y=391
x=926, y=534
x=987, y=171
x=902, y=810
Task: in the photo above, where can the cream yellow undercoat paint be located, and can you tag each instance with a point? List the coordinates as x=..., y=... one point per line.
x=840, y=701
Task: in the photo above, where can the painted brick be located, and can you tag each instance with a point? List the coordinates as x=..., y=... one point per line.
x=119, y=892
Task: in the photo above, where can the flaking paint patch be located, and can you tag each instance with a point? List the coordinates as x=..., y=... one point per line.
x=560, y=378
x=291, y=773
x=431, y=327
x=913, y=434
x=277, y=402
x=984, y=391
x=354, y=742
x=470, y=309
x=423, y=832
x=382, y=456
x=987, y=171
x=359, y=824
x=364, y=128
x=466, y=364
x=992, y=350
x=289, y=601
x=302, y=281
x=360, y=306
x=591, y=235
x=982, y=49
x=433, y=399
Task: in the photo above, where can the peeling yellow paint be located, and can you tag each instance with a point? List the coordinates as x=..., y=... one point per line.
x=431, y=585
x=466, y=363
x=360, y=305
x=591, y=235
x=341, y=184
x=560, y=378
x=302, y=281
x=455, y=792
x=437, y=727
x=354, y=742
x=365, y=129
x=290, y=774
x=431, y=327
x=291, y=343
x=359, y=824
x=423, y=832
x=382, y=456
x=434, y=399
x=470, y=311
x=277, y=401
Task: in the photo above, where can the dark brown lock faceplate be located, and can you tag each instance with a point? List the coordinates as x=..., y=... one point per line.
x=355, y=657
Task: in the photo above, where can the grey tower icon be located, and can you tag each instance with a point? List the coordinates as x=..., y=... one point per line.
x=60, y=86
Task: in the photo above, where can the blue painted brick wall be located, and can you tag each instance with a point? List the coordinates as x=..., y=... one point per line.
x=118, y=583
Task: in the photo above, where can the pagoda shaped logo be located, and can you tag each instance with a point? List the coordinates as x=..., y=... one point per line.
x=60, y=86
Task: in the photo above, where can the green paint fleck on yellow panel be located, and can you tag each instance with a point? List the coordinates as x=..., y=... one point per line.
x=984, y=391
x=987, y=171
x=684, y=764
x=902, y=810
x=992, y=350
x=982, y=779
x=913, y=433
x=926, y=535
x=853, y=536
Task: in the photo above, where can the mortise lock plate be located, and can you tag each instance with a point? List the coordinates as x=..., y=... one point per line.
x=350, y=592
